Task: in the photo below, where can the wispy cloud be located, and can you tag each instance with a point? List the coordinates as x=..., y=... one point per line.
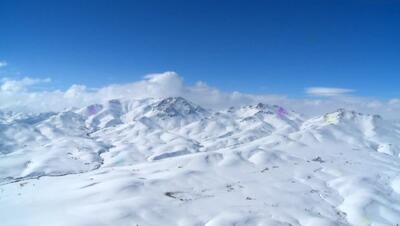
x=19, y=95
x=3, y=64
x=327, y=91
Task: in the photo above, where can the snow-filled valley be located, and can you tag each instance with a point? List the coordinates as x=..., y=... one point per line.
x=170, y=162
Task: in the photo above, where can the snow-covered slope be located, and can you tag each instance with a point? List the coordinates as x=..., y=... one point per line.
x=171, y=162
x=54, y=145
x=361, y=130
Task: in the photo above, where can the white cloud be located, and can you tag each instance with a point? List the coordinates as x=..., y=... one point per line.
x=3, y=64
x=18, y=95
x=9, y=85
x=327, y=91
x=394, y=101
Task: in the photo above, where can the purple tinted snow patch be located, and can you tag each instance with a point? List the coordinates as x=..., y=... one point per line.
x=281, y=112
x=93, y=109
x=199, y=224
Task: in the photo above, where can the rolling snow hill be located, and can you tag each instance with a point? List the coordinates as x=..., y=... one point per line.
x=172, y=162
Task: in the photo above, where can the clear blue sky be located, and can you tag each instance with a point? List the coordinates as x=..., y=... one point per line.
x=251, y=46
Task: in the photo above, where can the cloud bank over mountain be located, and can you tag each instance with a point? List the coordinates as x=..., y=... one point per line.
x=20, y=95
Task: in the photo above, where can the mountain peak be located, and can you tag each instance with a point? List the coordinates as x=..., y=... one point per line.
x=345, y=114
x=174, y=106
x=261, y=106
x=266, y=109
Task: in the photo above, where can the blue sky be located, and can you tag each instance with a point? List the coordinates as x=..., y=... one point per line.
x=279, y=47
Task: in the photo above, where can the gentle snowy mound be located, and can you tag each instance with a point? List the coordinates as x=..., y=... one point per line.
x=171, y=162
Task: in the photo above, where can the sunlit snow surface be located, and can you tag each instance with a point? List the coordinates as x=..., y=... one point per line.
x=172, y=162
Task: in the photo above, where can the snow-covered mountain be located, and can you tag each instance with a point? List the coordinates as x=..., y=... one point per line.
x=361, y=130
x=172, y=162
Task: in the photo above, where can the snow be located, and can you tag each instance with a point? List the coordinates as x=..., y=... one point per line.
x=172, y=162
